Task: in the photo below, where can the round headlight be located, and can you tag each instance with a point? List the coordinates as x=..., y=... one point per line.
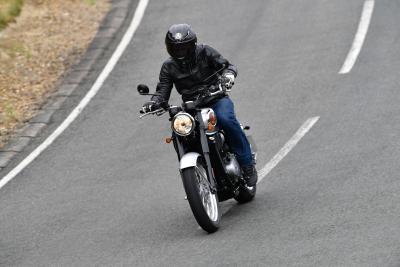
x=183, y=124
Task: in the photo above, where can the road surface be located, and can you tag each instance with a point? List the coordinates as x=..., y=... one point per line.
x=107, y=192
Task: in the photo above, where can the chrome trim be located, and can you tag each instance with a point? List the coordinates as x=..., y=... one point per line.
x=190, y=117
x=208, y=199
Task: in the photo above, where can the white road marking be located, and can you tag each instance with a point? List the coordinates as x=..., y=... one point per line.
x=307, y=125
x=359, y=37
x=92, y=92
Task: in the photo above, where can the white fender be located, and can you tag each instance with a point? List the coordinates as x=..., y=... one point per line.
x=189, y=160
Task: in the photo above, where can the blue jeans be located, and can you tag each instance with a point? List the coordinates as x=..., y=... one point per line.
x=234, y=134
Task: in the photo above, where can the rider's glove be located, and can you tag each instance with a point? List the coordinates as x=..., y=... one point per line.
x=150, y=106
x=229, y=79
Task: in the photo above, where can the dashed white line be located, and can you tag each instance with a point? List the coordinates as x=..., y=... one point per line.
x=307, y=125
x=359, y=37
x=137, y=18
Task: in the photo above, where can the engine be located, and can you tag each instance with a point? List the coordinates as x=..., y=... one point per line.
x=232, y=167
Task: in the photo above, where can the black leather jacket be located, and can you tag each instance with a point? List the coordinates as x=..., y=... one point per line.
x=189, y=76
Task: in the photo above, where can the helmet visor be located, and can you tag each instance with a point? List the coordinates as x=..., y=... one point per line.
x=180, y=50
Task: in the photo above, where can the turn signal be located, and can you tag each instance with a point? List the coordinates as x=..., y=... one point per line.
x=168, y=140
x=212, y=121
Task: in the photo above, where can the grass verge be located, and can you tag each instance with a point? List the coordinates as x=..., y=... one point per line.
x=48, y=37
x=9, y=9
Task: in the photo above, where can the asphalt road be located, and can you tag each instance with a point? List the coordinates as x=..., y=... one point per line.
x=108, y=193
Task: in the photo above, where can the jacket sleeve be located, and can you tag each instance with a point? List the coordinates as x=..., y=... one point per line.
x=215, y=59
x=164, y=85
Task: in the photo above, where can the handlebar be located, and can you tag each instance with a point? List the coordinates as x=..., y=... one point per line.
x=207, y=91
x=210, y=90
x=157, y=112
x=222, y=90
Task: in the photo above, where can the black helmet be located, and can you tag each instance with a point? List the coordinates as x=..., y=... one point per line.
x=180, y=41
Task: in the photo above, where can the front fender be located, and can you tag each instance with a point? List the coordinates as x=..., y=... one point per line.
x=189, y=160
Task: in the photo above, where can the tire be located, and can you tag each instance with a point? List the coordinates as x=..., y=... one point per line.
x=246, y=194
x=203, y=203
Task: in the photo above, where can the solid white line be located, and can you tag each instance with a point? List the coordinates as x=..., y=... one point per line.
x=92, y=92
x=307, y=125
x=359, y=37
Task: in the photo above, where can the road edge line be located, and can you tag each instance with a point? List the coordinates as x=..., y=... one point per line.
x=137, y=17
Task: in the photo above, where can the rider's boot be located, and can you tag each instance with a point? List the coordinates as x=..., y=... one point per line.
x=250, y=175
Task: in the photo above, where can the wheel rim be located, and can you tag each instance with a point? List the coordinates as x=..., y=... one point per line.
x=208, y=199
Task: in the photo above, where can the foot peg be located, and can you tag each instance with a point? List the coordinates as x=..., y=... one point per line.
x=245, y=127
x=254, y=156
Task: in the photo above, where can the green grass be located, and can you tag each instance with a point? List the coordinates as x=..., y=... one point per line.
x=19, y=49
x=91, y=2
x=10, y=113
x=14, y=49
x=9, y=9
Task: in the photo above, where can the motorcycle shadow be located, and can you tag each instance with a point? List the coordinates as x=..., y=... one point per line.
x=234, y=216
x=232, y=208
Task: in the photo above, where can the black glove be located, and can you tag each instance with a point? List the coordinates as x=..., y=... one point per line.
x=150, y=106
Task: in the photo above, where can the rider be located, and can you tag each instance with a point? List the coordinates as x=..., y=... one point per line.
x=190, y=67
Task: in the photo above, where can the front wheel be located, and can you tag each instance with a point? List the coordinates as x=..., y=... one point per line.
x=203, y=202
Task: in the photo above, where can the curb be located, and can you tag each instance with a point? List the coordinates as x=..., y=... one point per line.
x=108, y=30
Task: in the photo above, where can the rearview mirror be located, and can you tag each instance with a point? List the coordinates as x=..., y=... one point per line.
x=143, y=89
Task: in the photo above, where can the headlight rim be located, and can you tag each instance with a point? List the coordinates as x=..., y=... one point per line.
x=184, y=114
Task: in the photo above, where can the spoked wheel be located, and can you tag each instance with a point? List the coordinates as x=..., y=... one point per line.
x=203, y=202
x=246, y=194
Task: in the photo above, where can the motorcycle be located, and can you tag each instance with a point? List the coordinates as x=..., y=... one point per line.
x=209, y=170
